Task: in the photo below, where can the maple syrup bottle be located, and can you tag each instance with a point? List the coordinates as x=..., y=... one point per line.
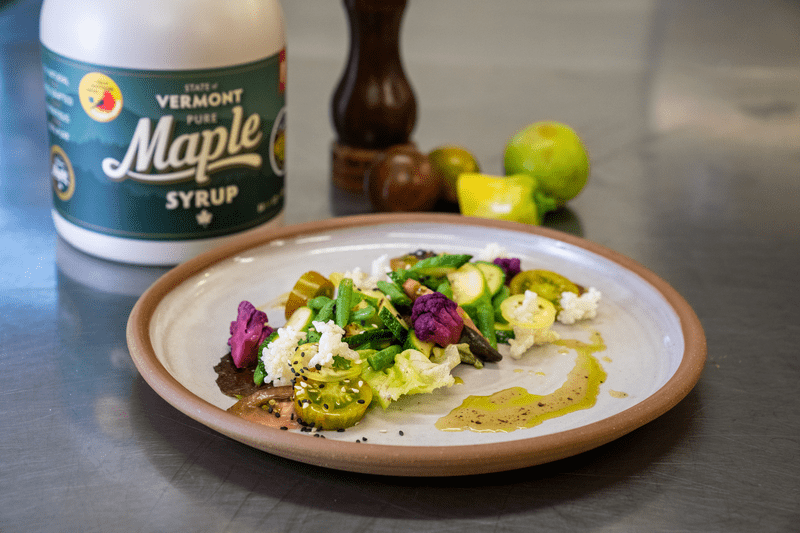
x=167, y=123
x=373, y=107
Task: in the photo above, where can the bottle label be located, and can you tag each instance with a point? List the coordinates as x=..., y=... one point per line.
x=166, y=155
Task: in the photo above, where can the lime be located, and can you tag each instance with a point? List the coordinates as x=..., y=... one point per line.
x=552, y=153
x=449, y=161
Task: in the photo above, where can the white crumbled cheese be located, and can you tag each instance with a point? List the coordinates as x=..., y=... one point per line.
x=526, y=338
x=330, y=345
x=380, y=266
x=574, y=307
x=278, y=354
x=362, y=280
x=528, y=308
x=492, y=251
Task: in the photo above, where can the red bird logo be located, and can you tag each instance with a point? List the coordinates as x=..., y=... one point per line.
x=106, y=103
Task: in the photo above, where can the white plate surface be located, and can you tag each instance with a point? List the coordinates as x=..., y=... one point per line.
x=642, y=321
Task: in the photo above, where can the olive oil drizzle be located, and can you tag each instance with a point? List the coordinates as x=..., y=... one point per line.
x=515, y=408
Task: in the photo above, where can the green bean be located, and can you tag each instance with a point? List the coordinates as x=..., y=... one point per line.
x=484, y=312
x=343, y=302
x=318, y=303
x=395, y=293
x=326, y=313
x=364, y=313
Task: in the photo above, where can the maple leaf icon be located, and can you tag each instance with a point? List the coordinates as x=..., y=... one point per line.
x=204, y=218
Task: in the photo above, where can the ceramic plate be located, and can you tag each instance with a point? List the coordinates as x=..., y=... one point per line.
x=655, y=352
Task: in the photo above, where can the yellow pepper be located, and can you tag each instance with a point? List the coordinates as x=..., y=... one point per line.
x=498, y=197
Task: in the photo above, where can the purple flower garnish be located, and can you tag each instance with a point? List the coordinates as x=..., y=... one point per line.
x=435, y=318
x=248, y=331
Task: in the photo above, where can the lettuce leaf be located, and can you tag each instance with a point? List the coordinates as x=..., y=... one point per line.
x=412, y=373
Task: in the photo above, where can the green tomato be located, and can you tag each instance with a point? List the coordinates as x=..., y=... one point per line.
x=449, y=161
x=552, y=153
x=545, y=283
x=331, y=406
x=498, y=197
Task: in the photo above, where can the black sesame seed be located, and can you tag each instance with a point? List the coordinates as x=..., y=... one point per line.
x=401, y=433
x=361, y=401
x=284, y=428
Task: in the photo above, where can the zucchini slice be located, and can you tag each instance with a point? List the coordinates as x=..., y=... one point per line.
x=493, y=274
x=392, y=320
x=301, y=318
x=413, y=342
x=468, y=284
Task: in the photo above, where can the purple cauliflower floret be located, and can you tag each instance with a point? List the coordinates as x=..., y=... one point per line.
x=248, y=331
x=436, y=319
x=510, y=266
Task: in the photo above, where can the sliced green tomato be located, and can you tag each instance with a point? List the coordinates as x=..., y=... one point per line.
x=544, y=283
x=543, y=317
x=409, y=260
x=303, y=355
x=332, y=405
x=310, y=285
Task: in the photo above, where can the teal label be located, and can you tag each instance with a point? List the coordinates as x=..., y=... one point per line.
x=166, y=155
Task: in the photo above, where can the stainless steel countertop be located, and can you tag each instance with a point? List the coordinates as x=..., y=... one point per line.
x=691, y=113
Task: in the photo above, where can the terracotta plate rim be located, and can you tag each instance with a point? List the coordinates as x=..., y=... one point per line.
x=412, y=460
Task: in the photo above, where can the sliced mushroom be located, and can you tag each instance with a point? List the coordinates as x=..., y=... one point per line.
x=272, y=406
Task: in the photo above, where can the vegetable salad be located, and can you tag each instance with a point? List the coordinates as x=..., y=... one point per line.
x=352, y=340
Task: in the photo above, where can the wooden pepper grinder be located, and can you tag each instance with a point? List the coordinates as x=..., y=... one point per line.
x=373, y=106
